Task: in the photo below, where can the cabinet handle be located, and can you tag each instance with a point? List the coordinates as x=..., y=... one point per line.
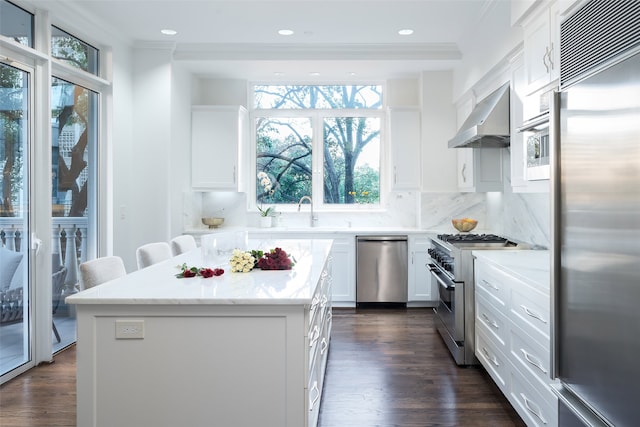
x=532, y=410
x=491, y=285
x=315, y=335
x=544, y=59
x=491, y=358
x=533, y=361
x=395, y=174
x=314, y=304
x=324, y=301
x=550, y=58
x=324, y=344
x=234, y=175
x=312, y=401
x=533, y=314
x=462, y=172
x=490, y=322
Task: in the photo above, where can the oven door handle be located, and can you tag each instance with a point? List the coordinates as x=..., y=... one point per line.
x=445, y=282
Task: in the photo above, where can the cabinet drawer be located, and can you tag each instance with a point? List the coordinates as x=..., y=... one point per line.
x=493, y=282
x=531, y=358
x=530, y=310
x=533, y=407
x=493, y=360
x=493, y=321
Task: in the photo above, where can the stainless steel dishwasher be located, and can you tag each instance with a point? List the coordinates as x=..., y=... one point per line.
x=381, y=269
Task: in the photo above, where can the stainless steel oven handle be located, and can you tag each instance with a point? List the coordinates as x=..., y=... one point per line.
x=445, y=283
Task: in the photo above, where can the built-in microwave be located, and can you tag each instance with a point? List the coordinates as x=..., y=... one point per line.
x=536, y=136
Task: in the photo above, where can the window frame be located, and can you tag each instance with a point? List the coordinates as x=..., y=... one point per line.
x=317, y=159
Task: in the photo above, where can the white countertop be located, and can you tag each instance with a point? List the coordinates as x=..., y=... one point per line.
x=311, y=230
x=157, y=284
x=532, y=266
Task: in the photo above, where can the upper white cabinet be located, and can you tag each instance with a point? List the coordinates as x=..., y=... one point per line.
x=404, y=131
x=218, y=140
x=480, y=169
x=542, y=48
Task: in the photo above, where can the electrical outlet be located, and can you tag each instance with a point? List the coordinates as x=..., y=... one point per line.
x=129, y=329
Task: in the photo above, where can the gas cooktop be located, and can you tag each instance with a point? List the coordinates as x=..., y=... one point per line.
x=471, y=238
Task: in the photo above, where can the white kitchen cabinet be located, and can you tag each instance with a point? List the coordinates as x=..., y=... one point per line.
x=422, y=290
x=512, y=323
x=542, y=48
x=405, y=137
x=219, y=136
x=517, y=147
x=480, y=169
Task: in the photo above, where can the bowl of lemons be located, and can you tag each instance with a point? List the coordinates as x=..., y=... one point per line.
x=464, y=225
x=213, y=222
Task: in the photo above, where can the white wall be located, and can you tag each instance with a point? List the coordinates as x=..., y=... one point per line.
x=149, y=200
x=485, y=45
x=122, y=164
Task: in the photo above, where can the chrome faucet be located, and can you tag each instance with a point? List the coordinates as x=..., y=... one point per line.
x=313, y=218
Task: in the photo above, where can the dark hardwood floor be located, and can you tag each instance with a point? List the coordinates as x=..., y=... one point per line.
x=391, y=368
x=387, y=367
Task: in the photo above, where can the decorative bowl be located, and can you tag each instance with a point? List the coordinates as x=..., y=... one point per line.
x=464, y=224
x=213, y=222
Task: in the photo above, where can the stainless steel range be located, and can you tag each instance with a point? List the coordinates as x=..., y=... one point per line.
x=452, y=267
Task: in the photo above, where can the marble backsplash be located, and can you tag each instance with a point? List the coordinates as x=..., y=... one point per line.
x=520, y=216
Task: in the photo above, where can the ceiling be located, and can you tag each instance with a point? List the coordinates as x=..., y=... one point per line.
x=338, y=39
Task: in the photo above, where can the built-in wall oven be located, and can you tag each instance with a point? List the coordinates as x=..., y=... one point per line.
x=452, y=267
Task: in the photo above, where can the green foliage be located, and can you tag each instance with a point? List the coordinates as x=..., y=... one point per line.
x=12, y=120
x=284, y=144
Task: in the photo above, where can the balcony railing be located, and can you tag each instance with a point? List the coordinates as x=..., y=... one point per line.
x=68, y=242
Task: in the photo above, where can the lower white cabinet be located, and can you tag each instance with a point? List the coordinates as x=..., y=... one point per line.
x=318, y=336
x=512, y=340
x=422, y=289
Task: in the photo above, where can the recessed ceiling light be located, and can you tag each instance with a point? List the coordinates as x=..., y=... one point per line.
x=314, y=73
x=169, y=32
x=285, y=32
x=352, y=73
x=405, y=32
x=278, y=73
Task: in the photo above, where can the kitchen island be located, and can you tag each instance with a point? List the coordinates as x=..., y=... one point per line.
x=240, y=349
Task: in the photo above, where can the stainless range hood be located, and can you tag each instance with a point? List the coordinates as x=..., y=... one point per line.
x=488, y=124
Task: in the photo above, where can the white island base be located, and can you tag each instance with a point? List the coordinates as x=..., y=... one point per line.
x=245, y=353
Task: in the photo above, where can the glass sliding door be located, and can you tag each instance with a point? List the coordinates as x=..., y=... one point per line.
x=15, y=313
x=74, y=141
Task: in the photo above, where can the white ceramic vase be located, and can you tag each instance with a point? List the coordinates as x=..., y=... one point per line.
x=265, y=221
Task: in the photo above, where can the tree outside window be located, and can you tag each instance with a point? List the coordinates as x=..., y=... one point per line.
x=343, y=123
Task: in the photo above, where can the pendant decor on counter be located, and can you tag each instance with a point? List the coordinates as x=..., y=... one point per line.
x=265, y=221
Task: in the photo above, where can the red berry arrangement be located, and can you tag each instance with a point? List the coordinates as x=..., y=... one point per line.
x=186, y=272
x=276, y=259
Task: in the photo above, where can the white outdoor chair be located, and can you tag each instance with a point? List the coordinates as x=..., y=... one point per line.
x=182, y=244
x=100, y=270
x=152, y=253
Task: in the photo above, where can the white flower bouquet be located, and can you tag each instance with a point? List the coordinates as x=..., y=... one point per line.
x=241, y=261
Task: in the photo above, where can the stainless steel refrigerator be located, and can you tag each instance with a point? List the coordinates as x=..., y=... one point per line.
x=596, y=209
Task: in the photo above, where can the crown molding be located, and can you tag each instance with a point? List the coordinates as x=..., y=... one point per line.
x=240, y=51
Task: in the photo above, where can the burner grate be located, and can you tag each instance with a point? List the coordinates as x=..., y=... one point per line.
x=472, y=238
